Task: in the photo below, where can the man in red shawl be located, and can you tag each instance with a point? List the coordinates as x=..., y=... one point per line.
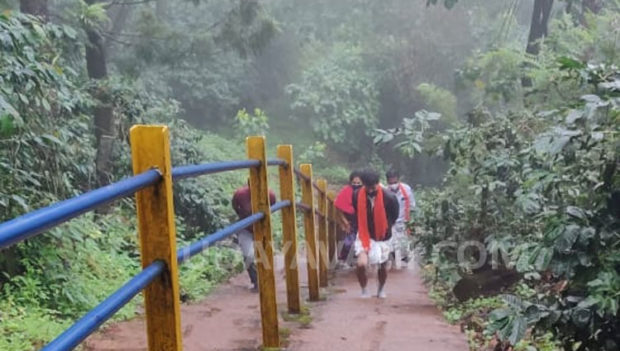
x=377, y=210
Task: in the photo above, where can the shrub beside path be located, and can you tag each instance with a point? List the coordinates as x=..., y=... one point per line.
x=228, y=319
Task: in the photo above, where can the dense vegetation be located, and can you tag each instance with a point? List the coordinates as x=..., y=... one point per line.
x=526, y=142
x=529, y=211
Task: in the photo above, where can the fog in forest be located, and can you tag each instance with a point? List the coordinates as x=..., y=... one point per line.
x=501, y=114
x=324, y=74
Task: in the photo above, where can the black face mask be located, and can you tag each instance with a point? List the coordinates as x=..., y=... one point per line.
x=355, y=187
x=371, y=193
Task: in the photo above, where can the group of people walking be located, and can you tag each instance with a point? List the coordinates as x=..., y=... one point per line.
x=373, y=217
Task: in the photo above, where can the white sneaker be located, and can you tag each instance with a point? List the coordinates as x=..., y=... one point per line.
x=365, y=293
x=381, y=294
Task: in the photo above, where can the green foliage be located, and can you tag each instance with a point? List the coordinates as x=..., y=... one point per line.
x=439, y=100
x=535, y=186
x=200, y=54
x=535, y=189
x=204, y=202
x=92, y=16
x=543, y=342
x=202, y=273
x=530, y=176
x=47, y=154
x=412, y=133
x=494, y=77
x=338, y=97
x=313, y=154
x=39, y=161
x=337, y=175
x=512, y=321
x=85, y=262
x=251, y=124
x=596, y=42
x=27, y=327
x=471, y=308
x=248, y=28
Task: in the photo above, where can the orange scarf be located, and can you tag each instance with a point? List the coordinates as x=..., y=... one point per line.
x=404, y=192
x=379, y=216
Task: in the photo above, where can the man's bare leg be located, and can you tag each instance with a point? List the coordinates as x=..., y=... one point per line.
x=362, y=261
x=382, y=275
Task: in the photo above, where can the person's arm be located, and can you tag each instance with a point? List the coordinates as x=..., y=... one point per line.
x=235, y=204
x=342, y=220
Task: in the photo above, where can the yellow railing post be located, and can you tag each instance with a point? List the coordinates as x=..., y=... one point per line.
x=339, y=234
x=331, y=234
x=150, y=148
x=323, y=250
x=263, y=244
x=307, y=199
x=289, y=228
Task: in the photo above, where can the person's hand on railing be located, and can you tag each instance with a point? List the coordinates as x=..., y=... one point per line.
x=346, y=226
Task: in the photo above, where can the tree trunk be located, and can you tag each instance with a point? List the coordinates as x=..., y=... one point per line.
x=35, y=8
x=538, y=30
x=104, y=115
x=538, y=26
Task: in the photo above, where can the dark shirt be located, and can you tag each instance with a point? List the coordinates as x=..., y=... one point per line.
x=390, y=202
x=242, y=202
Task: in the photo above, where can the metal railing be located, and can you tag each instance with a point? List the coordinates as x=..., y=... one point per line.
x=152, y=184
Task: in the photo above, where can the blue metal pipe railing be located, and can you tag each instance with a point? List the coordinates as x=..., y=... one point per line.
x=71, y=337
x=197, y=247
x=305, y=177
x=91, y=321
x=280, y=205
x=37, y=221
x=276, y=162
x=300, y=174
x=190, y=171
x=30, y=224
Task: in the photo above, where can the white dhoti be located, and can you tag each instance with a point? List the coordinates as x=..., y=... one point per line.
x=378, y=253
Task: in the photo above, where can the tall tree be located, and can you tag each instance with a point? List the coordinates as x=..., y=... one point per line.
x=104, y=114
x=539, y=25
x=538, y=30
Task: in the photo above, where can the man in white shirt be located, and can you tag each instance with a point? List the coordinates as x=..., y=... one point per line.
x=406, y=200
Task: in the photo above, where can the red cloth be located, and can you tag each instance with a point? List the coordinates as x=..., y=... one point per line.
x=344, y=200
x=379, y=217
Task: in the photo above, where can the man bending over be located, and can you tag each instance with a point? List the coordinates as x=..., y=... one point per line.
x=377, y=210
